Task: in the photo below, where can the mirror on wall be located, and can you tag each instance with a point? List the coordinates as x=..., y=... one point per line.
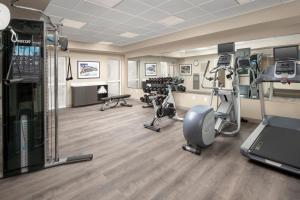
x=142, y=68
x=190, y=65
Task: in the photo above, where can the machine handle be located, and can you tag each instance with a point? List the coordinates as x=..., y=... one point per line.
x=11, y=81
x=206, y=68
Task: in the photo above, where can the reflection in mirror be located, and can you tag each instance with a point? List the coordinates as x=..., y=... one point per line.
x=260, y=57
x=142, y=68
x=249, y=68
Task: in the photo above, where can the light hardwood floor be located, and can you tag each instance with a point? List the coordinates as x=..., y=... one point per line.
x=131, y=162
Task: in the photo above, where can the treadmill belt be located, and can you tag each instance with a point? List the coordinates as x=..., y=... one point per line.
x=278, y=144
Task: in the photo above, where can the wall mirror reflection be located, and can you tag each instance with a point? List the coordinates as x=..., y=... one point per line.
x=253, y=56
x=143, y=68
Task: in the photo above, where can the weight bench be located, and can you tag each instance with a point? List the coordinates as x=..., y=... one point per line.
x=115, y=100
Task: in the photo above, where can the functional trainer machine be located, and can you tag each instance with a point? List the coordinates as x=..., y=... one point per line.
x=29, y=138
x=164, y=106
x=201, y=123
x=275, y=141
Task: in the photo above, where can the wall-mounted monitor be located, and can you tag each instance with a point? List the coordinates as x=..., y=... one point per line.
x=286, y=53
x=226, y=48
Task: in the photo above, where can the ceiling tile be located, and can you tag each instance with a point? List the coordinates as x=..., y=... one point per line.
x=175, y=6
x=100, y=26
x=152, y=33
x=124, y=27
x=246, y=8
x=88, y=33
x=155, y=26
x=67, y=13
x=117, y=16
x=69, y=31
x=154, y=15
x=82, y=38
x=114, y=32
x=168, y=30
x=108, y=36
x=195, y=22
x=90, y=8
x=217, y=5
x=199, y=2
x=122, y=42
x=153, y=2
x=192, y=13
x=139, y=22
x=65, y=3
x=132, y=6
x=139, y=30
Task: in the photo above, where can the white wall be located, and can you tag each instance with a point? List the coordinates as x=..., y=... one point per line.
x=103, y=59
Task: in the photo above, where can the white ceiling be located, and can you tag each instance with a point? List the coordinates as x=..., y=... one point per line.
x=142, y=16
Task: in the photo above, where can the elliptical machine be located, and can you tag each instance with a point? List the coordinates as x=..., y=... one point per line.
x=164, y=106
x=201, y=123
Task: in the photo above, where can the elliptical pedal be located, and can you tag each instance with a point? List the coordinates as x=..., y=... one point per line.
x=152, y=127
x=191, y=149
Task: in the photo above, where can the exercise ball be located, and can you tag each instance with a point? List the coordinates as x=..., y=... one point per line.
x=4, y=16
x=199, y=126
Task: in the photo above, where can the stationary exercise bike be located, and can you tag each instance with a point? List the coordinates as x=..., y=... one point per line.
x=202, y=124
x=164, y=106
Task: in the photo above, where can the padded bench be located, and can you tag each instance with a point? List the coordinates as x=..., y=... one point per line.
x=115, y=100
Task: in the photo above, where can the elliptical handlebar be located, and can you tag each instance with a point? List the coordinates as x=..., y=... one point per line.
x=207, y=78
x=214, y=71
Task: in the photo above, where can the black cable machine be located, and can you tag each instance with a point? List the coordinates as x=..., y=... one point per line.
x=28, y=126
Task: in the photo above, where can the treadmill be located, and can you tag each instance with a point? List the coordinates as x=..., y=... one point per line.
x=276, y=141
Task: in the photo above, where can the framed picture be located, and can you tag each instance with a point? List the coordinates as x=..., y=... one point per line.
x=150, y=69
x=185, y=69
x=88, y=69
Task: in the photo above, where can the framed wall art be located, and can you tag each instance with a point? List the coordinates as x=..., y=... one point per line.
x=150, y=69
x=185, y=69
x=88, y=69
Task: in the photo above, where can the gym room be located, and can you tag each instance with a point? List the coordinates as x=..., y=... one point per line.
x=149, y=99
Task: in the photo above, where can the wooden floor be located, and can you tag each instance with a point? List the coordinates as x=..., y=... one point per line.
x=131, y=162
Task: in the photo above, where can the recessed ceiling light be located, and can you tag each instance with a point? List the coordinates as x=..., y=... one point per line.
x=129, y=35
x=73, y=23
x=105, y=43
x=241, y=2
x=107, y=3
x=171, y=21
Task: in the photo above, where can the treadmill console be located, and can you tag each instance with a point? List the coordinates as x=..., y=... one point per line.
x=286, y=57
x=244, y=63
x=285, y=69
x=224, y=60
